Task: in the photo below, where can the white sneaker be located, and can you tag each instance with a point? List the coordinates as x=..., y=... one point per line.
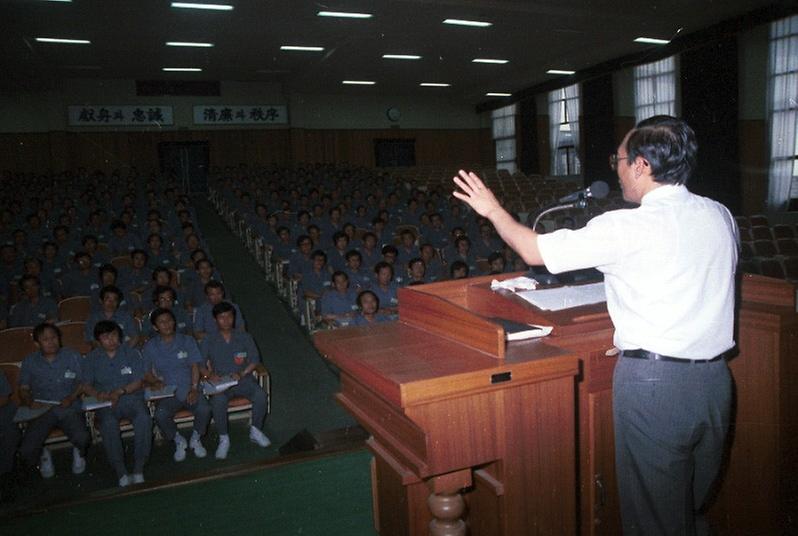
x=78, y=462
x=258, y=437
x=46, y=464
x=124, y=481
x=196, y=445
x=180, y=448
x=138, y=478
x=224, y=446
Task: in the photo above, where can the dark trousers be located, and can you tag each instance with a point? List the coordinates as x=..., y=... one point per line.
x=247, y=388
x=671, y=421
x=71, y=420
x=9, y=438
x=165, y=414
x=132, y=408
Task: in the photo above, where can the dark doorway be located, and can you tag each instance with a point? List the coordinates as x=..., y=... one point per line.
x=392, y=153
x=188, y=162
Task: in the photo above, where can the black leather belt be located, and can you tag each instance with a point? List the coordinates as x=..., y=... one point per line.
x=652, y=356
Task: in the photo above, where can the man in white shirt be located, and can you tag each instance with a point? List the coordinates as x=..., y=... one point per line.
x=669, y=268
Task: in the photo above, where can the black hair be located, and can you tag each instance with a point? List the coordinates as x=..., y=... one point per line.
x=224, y=307
x=302, y=238
x=338, y=273
x=140, y=252
x=160, y=289
x=319, y=253
x=107, y=326
x=107, y=268
x=214, y=284
x=353, y=253
x=668, y=144
x=458, y=265
x=360, y=295
x=158, y=311
x=390, y=249
x=111, y=288
x=382, y=264
x=39, y=330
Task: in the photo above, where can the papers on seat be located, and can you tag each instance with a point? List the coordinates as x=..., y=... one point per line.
x=517, y=331
x=91, y=403
x=516, y=283
x=48, y=402
x=210, y=387
x=557, y=299
x=168, y=391
x=25, y=414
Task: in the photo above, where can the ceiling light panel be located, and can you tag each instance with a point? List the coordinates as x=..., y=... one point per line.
x=358, y=82
x=433, y=84
x=188, y=44
x=182, y=69
x=472, y=23
x=344, y=14
x=196, y=5
x=301, y=48
x=63, y=41
x=497, y=94
x=652, y=41
x=559, y=71
x=400, y=57
x=490, y=60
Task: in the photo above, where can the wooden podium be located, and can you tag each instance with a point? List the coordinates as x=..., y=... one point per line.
x=474, y=435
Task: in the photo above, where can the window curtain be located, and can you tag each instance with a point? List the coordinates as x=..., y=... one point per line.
x=655, y=89
x=572, y=101
x=783, y=92
x=556, y=110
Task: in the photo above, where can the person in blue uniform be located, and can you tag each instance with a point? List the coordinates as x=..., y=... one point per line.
x=33, y=308
x=204, y=322
x=338, y=304
x=52, y=374
x=9, y=439
x=385, y=287
x=233, y=353
x=114, y=372
x=165, y=297
x=110, y=299
x=81, y=280
x=369, y=310
x=172, y=358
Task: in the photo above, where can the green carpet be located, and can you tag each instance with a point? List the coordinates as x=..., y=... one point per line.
x=325, y=497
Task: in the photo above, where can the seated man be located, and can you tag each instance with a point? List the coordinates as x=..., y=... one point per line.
x=52, y=374
x=416, y=270
x=172, y=358
x=338, y=303
x=33, y=308
x=9, y=439
x=114, y=371
x=165, y=297
x=81, y=280
x=369, y=305
x=110, y=299
x=233, y=353
x=385, y=287
x=138, y=276
x=204, y=322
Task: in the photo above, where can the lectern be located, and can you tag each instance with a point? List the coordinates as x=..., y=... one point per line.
x=472, y=434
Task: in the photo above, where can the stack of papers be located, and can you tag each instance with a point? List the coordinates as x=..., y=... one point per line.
x=518, y=331
x=210, y=387
x=168, y=391
x=25, y=414
x=557, y=299
x=90, y=403
x=516, y=283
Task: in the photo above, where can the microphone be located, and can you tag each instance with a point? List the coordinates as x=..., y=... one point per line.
x=597, y=190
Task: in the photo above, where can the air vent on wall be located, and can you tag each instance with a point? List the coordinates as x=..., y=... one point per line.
x=180, y=88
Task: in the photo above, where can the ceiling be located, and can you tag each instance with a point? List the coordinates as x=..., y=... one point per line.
x=128, y=41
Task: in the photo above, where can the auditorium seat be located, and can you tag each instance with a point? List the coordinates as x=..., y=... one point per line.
x=783, y=231
x=73, y=336
x=771, y=268
x=747, y=266
x=123, y=261
x=758, y=219
x=764, y=248
x=747, y=251
x=745, y=234
x=787, y=247
x=16, y=343
x=75, y=308
x=791, y=268
x=761, y=232
x=743, y=222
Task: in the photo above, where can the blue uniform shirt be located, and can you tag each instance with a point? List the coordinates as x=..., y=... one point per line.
x=129, y=325
x=228, y=357
x=205, y=322
x=172, y=361
x=388, y=297
x=25, y=313
x=106, y=373
x=183, y=323
x=76, y=283
x=335, y=303
x=5, y=388
x=360, y=320
x=52, y=381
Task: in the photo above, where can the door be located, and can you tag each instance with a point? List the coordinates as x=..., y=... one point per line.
x=188, y=161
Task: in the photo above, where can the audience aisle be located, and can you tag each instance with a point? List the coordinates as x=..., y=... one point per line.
x=302, y=384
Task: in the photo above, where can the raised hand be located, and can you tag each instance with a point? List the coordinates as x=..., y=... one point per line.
x=475, y=193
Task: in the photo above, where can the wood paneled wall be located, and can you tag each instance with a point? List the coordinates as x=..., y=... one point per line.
x=754, y=161
x=56, y=151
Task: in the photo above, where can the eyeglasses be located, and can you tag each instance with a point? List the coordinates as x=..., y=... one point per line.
x=615, y=158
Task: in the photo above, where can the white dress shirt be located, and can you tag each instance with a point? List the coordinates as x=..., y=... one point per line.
x=669, y=268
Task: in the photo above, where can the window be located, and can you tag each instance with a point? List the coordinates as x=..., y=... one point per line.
x=504, y=137
x=564, y=128
x=655, y=89
x=783, y=113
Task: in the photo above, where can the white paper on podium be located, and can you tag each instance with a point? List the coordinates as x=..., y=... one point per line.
x=557, y=299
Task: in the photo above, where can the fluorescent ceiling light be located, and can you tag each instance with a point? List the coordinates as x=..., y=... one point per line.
x=400, y=57
x=301, y=48
x=652, y=41
x=461, y=22
x=63, y=41
x=559, y=71
x=489, y=60
x=433, y=84
x=494, y=94
x=65, y=1
x=344, y=14
x=182, y=69
x=194, y=5
x=188, y=44
x=358, y=82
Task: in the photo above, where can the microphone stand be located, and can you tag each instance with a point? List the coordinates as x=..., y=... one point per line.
x=581, y=203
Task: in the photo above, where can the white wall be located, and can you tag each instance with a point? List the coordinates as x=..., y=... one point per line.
x=46, y=109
